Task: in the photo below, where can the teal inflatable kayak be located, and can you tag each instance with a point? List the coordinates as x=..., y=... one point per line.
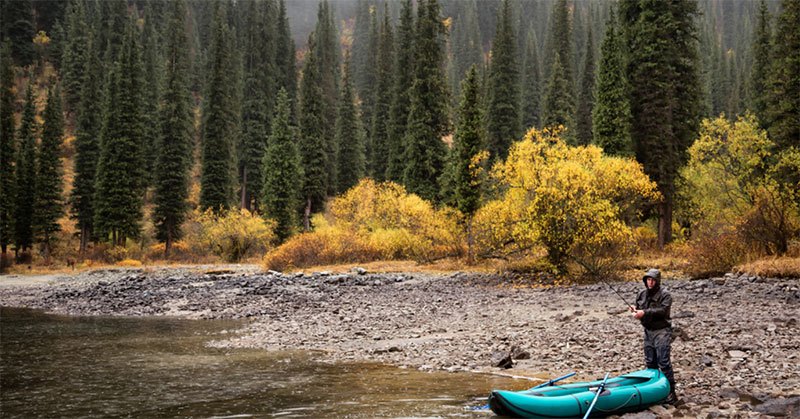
x=626, y=393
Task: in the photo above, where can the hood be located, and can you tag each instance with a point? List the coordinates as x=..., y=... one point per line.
x=655, y=274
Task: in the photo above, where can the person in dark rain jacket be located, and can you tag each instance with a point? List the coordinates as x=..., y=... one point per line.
x=653, y=306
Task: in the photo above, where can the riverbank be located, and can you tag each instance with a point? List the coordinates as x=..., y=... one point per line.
x=736, y=354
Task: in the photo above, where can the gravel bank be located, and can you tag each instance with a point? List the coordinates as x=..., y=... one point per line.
x=737, y=353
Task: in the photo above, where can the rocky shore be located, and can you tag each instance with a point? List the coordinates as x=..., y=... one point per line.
x=736, y=354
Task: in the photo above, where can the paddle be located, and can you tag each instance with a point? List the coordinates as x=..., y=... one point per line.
x=545, y=384
x=599, y=390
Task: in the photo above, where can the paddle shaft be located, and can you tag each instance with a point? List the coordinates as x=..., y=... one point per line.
x=545, y=384
x=599, y=390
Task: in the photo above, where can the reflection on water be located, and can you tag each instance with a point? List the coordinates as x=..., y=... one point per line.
x=61, y=366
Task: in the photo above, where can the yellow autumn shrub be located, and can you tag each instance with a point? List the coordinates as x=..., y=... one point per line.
x=234, y=234
x=575, y=202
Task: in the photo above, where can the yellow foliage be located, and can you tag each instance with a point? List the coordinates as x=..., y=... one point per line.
x=234, y=234
x=41, y=39
x=129, y=263
x=574, y=201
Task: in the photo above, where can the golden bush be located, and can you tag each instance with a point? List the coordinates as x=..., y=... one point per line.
x=233, y=234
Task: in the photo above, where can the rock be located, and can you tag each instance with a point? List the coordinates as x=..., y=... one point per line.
x=661, y=411
x=707, y=361
x=359, y=270
x=728, y=393
x=502, y=360
x=683, y=314
x=788, y=407
x=737, y=354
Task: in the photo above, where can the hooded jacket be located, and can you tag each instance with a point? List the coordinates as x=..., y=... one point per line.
x=655, y=303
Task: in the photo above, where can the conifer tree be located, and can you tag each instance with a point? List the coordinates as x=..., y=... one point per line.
x=219, y=120
x=312, y=141
x=468, y=142
x=759, y=75
x=349, y=136
x=75, y=58
x=259, y=70
x=25, y=175
x=531, y=109
x=783, y=106
x=503, y=113
x=153, y=70
x=49, y=201
x=286, y=71
x=558, y=105
x=18, y=28
x=401, y=99
x=282, y=172
x=174, y=158
x=467, y=45
x=119, y=179
x=383, y=100
x=327, y=60
x=665, y=94
x=362, y=31
x=427, y=118
x=611, y=116
x=583, y=123
x=560, y=43
x=8, y=151
x=367, y=100
x=87, y=147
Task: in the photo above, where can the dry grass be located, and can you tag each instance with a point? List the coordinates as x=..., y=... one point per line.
x=389, y=266
x=779, y=267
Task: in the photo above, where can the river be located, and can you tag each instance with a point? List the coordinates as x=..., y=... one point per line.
x=67, y=366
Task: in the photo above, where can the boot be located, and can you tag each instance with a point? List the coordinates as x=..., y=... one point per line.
x=672, y=398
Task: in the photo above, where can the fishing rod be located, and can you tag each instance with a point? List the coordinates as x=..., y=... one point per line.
x=615, y=292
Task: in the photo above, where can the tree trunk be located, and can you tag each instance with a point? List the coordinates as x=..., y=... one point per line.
x=244, y=199
x=470, y=242
x=168, y=244
x=664, y=222
x=47, y=249
x=307, y=215
x=84, y=234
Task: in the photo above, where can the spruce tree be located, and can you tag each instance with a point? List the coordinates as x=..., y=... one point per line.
x=219, y=120
x=49, y=185
x=427, y=118
x=367, y=100
x=18, y=28
x=8, y=152
x=503, y=113
x=401, y=99
x=349, y=136
x=259, y=70
x=665, y=93
x=383, y=100
x=468, y=142
x=466, y=45
x=783, y=106
x=583, y=118
x=119, y=180
x=286, y=71
x=152, y=60
x=558, y=105
x=282, y=171
x=362, y=31
x=75, y=55
x=174, y=158
x=313, y=157
x=611, y=116
x=531, y=109
x=87, y=147
x=25, y=175
x=759, y=75
x=327, y=52
x=560, y=43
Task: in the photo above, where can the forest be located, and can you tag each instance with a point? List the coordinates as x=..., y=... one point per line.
x=562, y=136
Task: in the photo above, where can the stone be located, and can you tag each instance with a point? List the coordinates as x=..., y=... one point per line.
x=786, y=407
x=737, y=354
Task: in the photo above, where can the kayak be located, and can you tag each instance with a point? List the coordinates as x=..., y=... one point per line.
x=625, y=393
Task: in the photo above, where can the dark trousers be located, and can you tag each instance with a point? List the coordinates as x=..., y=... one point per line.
x=656, y=352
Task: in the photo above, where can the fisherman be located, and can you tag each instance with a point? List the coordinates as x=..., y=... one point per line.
x=653, y=310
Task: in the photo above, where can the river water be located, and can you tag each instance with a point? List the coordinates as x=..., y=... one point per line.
x=64, y=366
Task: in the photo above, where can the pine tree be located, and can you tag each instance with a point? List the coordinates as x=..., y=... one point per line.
x=383, y=100
x=468, y=142
x=219, y=121
x=87, y=144
x=467, y=45
x=611, y=116
x=761, y=61
x=583, y=123
x=312, y=141
x=531, y=109
x=558, y=105
x=18, y=28
x=8, y=151
x=259, y=70
x=367, y=100
x=174, y=158
x=665, y=94
x=119, y=183
x=349, y=136
x=153, y=70
x=75, y=58
x=25, y=175
x=49, y=200
x=503, y=113
x=560, y=43
x=282, y=172
x=783, y=106
x=427, y=118
x=362, y=32
x=286, y=71
x=327, y=39
x=401, y=99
